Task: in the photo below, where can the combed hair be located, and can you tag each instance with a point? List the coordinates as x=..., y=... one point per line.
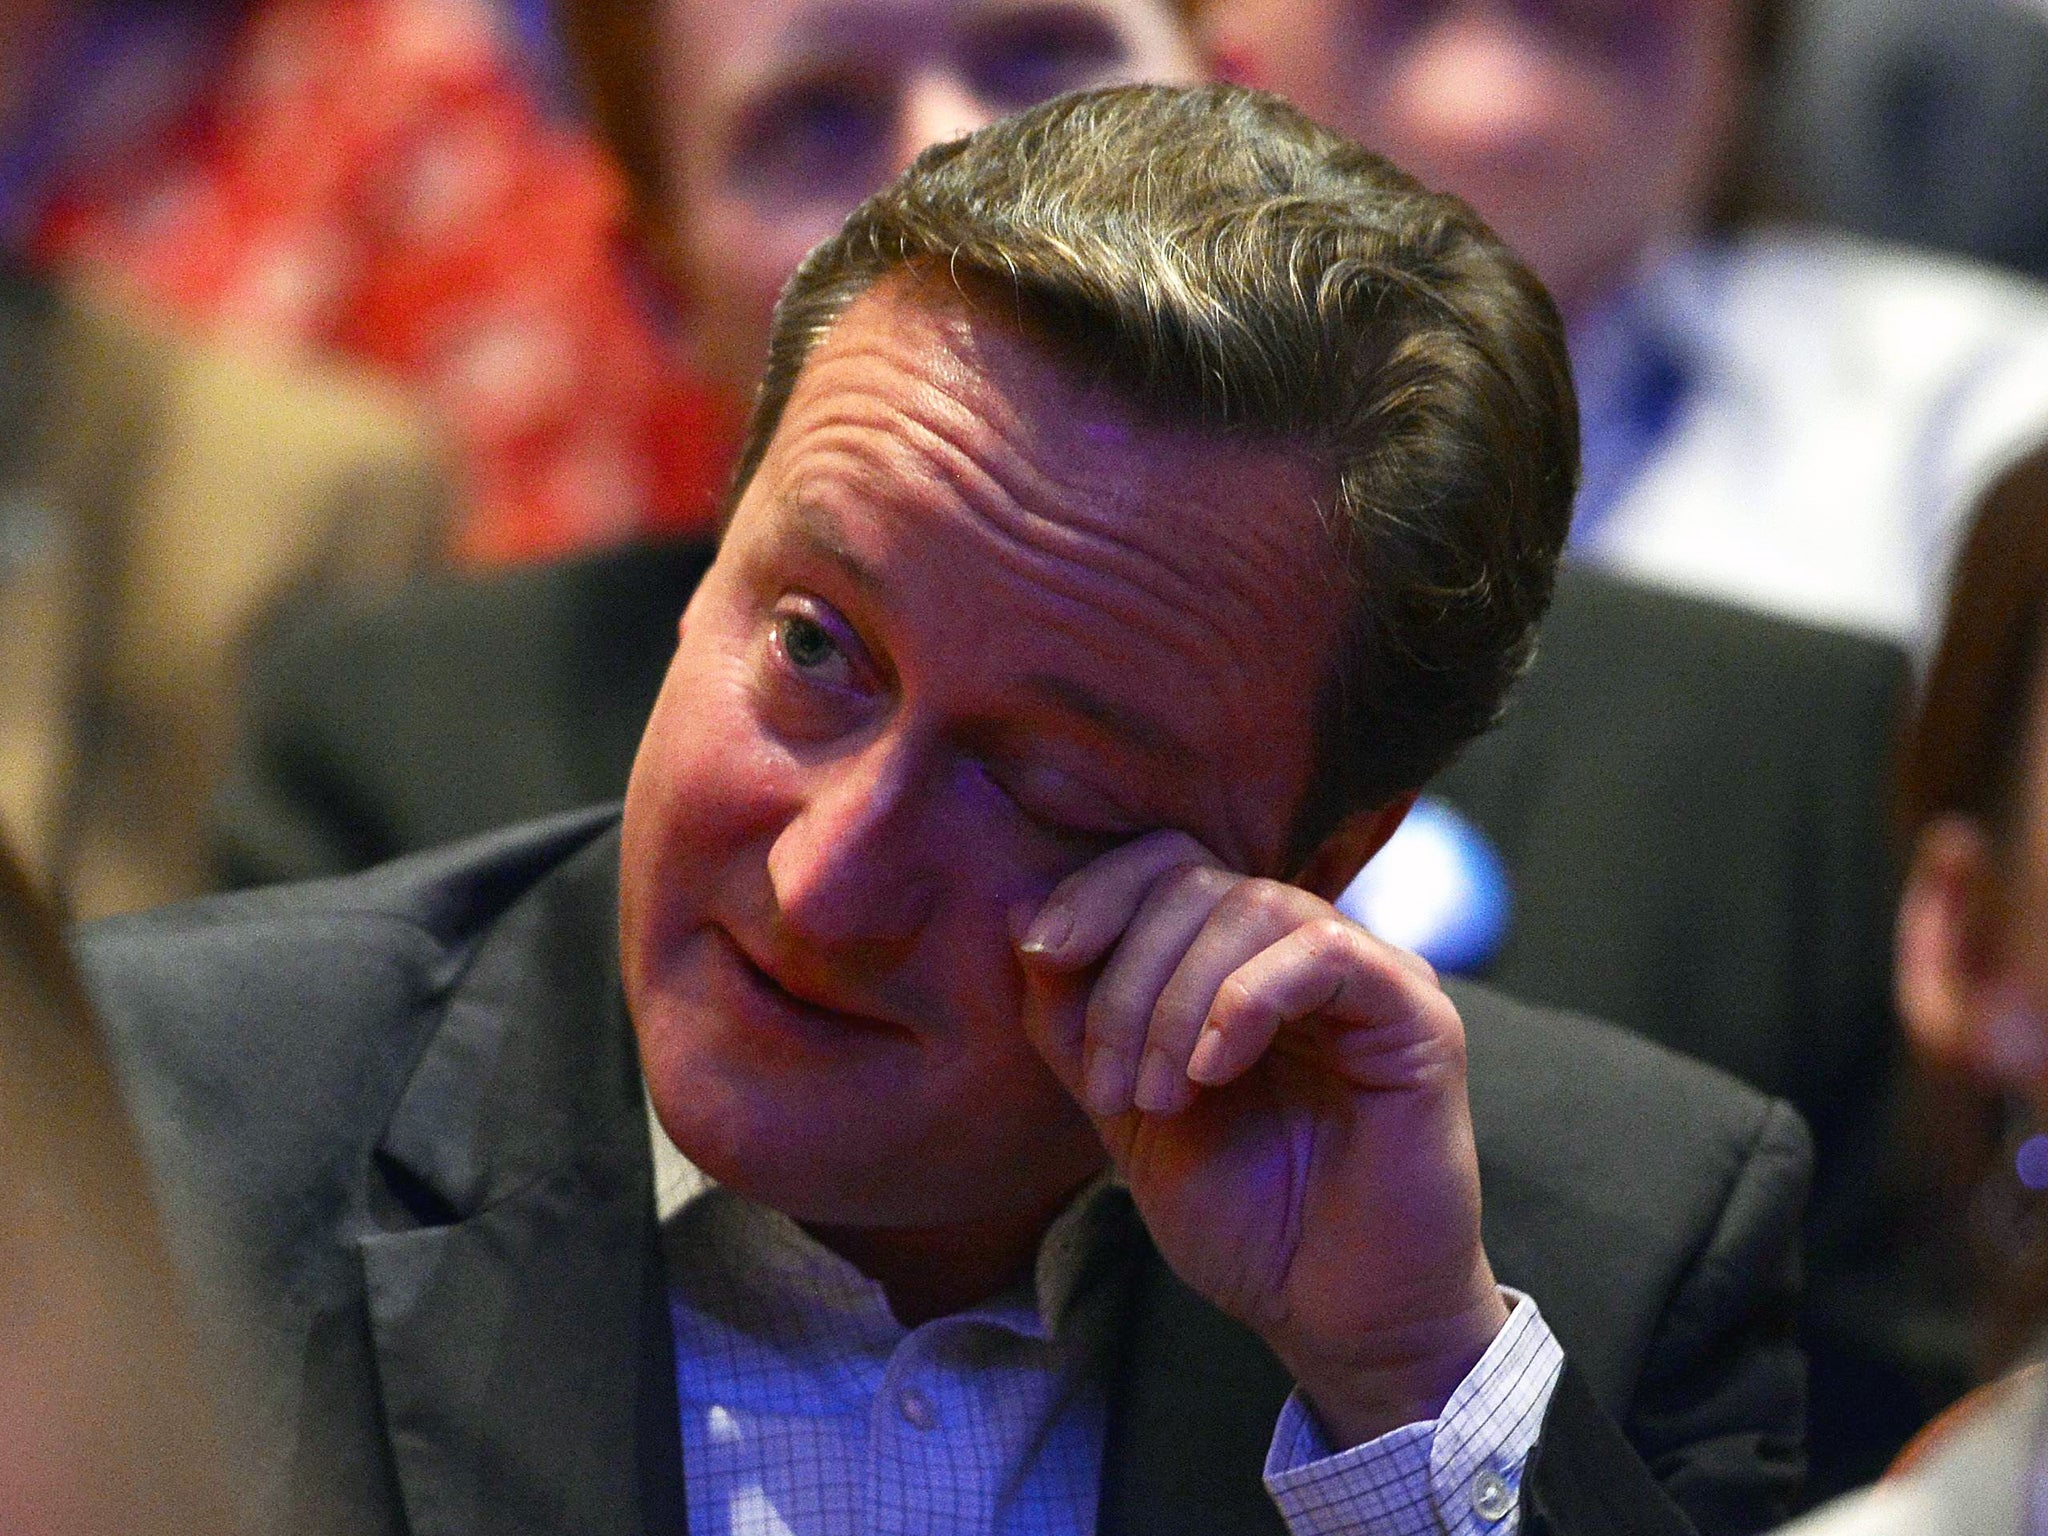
x=1220, y=261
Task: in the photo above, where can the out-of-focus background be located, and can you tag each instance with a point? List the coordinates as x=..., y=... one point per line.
x=371, y=371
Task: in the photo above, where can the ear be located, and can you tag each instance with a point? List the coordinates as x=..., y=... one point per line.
x=697, y=596
x=1962, y=1008
x=1338, y=858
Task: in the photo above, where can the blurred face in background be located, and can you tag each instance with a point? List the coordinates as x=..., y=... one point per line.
x=1584, y=131
x=783, y=114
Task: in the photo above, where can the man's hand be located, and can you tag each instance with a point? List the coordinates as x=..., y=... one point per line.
x=1285, y=1096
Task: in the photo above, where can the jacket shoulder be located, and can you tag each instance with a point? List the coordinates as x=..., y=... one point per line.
x=1642, y=1197
x=1599, y=615
x=380, y=725
x=302, y=1006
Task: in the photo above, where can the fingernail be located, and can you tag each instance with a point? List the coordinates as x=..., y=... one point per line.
x=1048, y=935
x=1159, y=1086
x=1205, y=1064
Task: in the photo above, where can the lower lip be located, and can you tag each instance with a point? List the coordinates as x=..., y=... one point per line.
x=764, y=1002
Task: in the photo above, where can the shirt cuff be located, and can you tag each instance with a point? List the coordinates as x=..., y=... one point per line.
x=1460, y=1473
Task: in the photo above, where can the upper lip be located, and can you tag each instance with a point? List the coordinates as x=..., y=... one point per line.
x=799, y=990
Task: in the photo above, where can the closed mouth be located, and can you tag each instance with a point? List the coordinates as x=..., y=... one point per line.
x=796, y=1002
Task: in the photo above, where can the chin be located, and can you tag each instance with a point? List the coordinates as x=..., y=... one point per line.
x=780, y=1157
x=837, y=1154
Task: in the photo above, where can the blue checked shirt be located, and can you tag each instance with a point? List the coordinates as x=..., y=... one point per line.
x=808, y=1410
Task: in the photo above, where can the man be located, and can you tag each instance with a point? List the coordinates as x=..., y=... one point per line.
x=1682, y=795
x=1791, y=421
x=979, y=845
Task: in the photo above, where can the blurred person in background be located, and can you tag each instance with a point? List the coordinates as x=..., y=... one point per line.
x=747, y=133
x=399, y=183
x=760, y=126
x=103, y=1425
x=1789, y=420
x=157, y=499
x=402, y=182
x=1973, y=993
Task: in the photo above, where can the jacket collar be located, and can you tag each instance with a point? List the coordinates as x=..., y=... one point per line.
x=516, y=1303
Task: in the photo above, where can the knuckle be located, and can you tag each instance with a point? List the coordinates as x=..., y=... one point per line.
x=1189, y=881
x=1266, y=902
x=1171, y=847
x=1443, y=1029
x=1448, y=1042
x=1330, y=938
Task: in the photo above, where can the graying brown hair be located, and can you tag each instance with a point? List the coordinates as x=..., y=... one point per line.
x=1220, y=261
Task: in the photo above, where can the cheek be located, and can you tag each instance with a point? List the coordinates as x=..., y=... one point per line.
x=704, y=788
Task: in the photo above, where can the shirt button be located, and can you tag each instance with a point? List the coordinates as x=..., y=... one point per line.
x=916, y=1409
x=1492, y=1499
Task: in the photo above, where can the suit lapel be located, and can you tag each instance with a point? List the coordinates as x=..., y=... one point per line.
x=515, y=1297
x=1192, y=1411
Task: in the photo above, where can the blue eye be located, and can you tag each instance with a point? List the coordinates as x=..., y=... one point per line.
x=822, y=136
x=1021, y=59
x=805, y=642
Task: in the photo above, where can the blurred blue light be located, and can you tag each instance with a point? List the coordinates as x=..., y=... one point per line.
x=2031, y=1162
x=1438, y=888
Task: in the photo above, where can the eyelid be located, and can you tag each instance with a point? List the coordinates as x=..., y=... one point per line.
x=809, y=606
x=1015, y=783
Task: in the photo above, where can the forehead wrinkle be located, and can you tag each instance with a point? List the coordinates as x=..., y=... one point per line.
x=984, y=447
x=1075, y=594
x=815, y=529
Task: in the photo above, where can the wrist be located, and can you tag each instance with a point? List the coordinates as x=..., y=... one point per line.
x=1401, y=1376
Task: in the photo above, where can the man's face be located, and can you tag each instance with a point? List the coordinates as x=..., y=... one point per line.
x=783, y=114
x=1582, y=130
x=972, y=626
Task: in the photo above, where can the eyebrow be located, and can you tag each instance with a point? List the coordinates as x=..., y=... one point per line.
x=816, y=530
x=1149, y=736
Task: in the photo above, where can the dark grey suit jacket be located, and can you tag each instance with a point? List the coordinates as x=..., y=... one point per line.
x=399, y=1121
x=1687, y=797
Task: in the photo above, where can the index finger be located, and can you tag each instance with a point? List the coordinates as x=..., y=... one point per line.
x=1088, y=911
x=1399, y=1022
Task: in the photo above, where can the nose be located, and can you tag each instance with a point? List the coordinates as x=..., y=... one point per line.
x=937, y=105
x=1479, y=83
x=850, y=869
